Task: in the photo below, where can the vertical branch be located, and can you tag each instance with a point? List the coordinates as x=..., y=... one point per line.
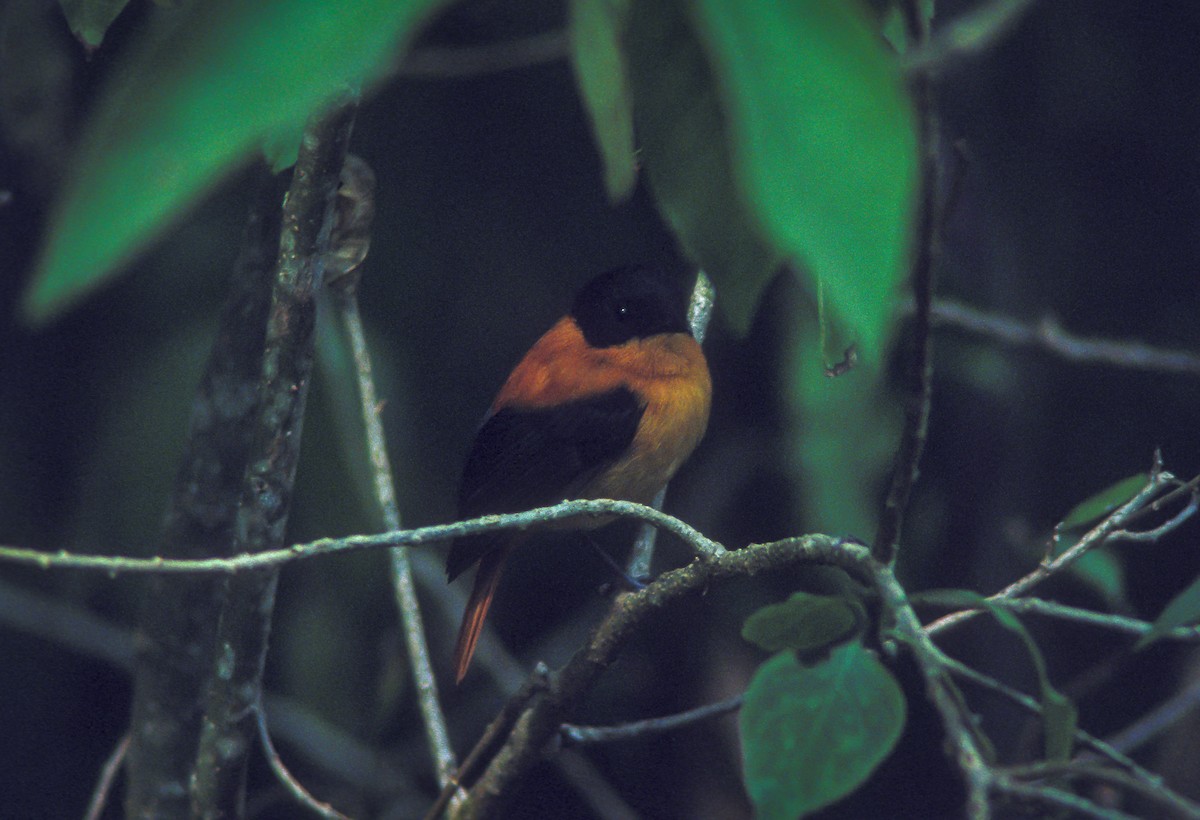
x=920, y=371
x=235, y=680
x=401, y=569
x=699, y=312
x=179, y=613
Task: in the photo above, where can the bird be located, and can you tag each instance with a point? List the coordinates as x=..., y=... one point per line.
x=608, y=403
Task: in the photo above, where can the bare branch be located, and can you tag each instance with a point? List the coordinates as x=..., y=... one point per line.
x=420, y=665
x=235, y=681
x=290, y=783
x=421, y=536
x=573, y=735
x=108, y=777
x=1048, y=335
x=699, y=313
x=1106, y=530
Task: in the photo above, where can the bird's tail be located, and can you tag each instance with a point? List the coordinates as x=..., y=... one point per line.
x=487, y=578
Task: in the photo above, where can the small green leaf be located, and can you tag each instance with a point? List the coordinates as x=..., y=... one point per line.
x=804, y=622
x=90, y=19
x=813, y=734
x=1104, y=502
x=1183, y=610
x=684, y=146
x=823, y=142
x=195, y=98
x=595, y=31
x=1059, y=716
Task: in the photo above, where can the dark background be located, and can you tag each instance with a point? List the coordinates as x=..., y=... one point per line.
x=1079, y=200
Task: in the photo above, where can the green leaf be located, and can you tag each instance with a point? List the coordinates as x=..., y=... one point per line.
x=813, y=734
x=595, y=29
x=1183, y=610
x=195, y=98
x=1104, y=502
x=1059, y=715
x=823, y=143
x=844, y=437
x=804, y=622
x=684, y=145
x=90, y=19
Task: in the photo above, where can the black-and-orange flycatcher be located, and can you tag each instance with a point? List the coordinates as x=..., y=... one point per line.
x=607, y=404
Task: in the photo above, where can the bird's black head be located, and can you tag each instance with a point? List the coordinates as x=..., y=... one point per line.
x=629, y=303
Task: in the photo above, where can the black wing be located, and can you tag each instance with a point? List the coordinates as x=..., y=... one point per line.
x=529, y=458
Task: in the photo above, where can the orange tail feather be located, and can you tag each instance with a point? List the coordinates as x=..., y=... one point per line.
x=487, y=578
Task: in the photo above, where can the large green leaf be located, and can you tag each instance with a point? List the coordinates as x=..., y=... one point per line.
x=823, y=144
x=813, y=734
x=196, y=97
x=684, y=145
x=595, y=28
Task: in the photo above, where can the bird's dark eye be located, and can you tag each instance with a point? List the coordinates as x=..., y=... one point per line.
x=623, y=310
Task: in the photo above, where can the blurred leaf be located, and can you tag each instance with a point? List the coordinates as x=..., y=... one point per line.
x=281, y=147
x=1183, y=610
x=1059, y=715
x=595, y=30
x=813, y=734
x=804, y=622
x=196, y=97
x=823, y=143
x=1101, y=570
x=844, y=436
x=90, y=19
x=1104, y=502
x=684, y=146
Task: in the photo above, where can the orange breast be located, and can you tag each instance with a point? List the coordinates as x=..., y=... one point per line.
x=668, y=372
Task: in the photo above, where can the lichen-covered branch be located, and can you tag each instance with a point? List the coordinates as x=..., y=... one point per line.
x=235, y=680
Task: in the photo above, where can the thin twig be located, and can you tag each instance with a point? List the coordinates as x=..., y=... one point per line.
x=1057, y=798
x=573, y=735
x=108, y=777
x=1077, y=770
x=1106, y=530
x=699, y=313
x=537, y=682
x=1100, y=749
x=1103, y=620
x=928, y=251
x=1162, y=717
x=420, y=665
x=289, y=782
x=705, y=547
x=1049, y=336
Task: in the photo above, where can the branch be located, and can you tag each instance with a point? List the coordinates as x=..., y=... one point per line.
x=573, y=735
x=699, y=313
x=235, y=682
x=421, y=536
x=358, y=187
x=294, y=787
x=928, y=251
x=1048, y=335
x=1108, y=529
x=178, y=616
x=108, y=777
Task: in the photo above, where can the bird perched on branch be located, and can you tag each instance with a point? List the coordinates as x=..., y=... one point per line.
x=607, y=404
